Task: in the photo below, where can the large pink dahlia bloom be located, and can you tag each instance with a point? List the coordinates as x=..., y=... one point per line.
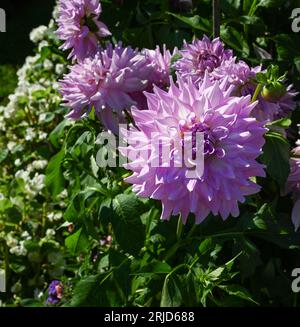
x=109, y=82
x=199, y=57
x=232, y=142
x=79, y=27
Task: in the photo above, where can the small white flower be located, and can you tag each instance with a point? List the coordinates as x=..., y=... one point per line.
x=37, y=34
x=63, y=194
x=52, y=216
x=42, y=117
x=11, y=241
x=48, y=65
x=42, y=45
x=39, y=164
x=55, y=86
x=29, y=168
x=11, y=145
x=58, y=216
x=38, y=182
x=42, y=136
x=50, y=232
x=22, y=174
x=25, y=235
x=19, y=250
x=30, y=134
x=18, y=162
x=59, y=69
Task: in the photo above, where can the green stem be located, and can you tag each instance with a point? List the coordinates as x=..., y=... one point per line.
x=216, y=18
x=256, y=93
x=180, y=242
x=179, y=228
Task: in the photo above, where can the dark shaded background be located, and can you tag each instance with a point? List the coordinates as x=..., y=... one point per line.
x=21, y=17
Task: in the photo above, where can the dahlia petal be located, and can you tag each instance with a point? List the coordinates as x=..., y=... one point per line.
x=296, y=215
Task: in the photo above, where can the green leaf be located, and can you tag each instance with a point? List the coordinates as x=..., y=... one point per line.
x=256, y=23
x=205, y=245
x=270, y=3
x=287, y=46
x=230, y=6
x=59, y=132
x=77, y=242
x=276, y=156
x=196, y=22
x=283, y=123
x=54, y=175
x=297, y=63
x=238, y=291
x=31, y=303
x=171, y=293
x=127, y=225
x=250, y=259
x=216, y=274
x=260, y=218
x=155, y=267
x=3, y=154
x=235, y=40
x=88, y=292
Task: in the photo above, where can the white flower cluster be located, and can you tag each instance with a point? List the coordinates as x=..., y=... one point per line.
x=25, y=123
x=30, y=110
x=38, y=34
x=33, y=186
x=54, y=216
x=16, y=247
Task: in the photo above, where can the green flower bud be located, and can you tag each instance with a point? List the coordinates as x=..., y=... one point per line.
x=273, y=91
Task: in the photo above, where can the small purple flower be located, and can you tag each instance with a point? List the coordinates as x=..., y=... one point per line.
x=80, y=28
x=55, y=292
x=232, y=142
x=110, y=82
x=199, y=57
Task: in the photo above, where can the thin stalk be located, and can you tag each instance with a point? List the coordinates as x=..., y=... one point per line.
x=216, y=18
x=256, y=93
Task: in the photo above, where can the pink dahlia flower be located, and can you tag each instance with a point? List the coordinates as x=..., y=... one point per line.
x=232, y=141
x=293, y=185
x=199, y=57
x=110, y=81
x=79, y=27
x=239, y=74
x=162, y=65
